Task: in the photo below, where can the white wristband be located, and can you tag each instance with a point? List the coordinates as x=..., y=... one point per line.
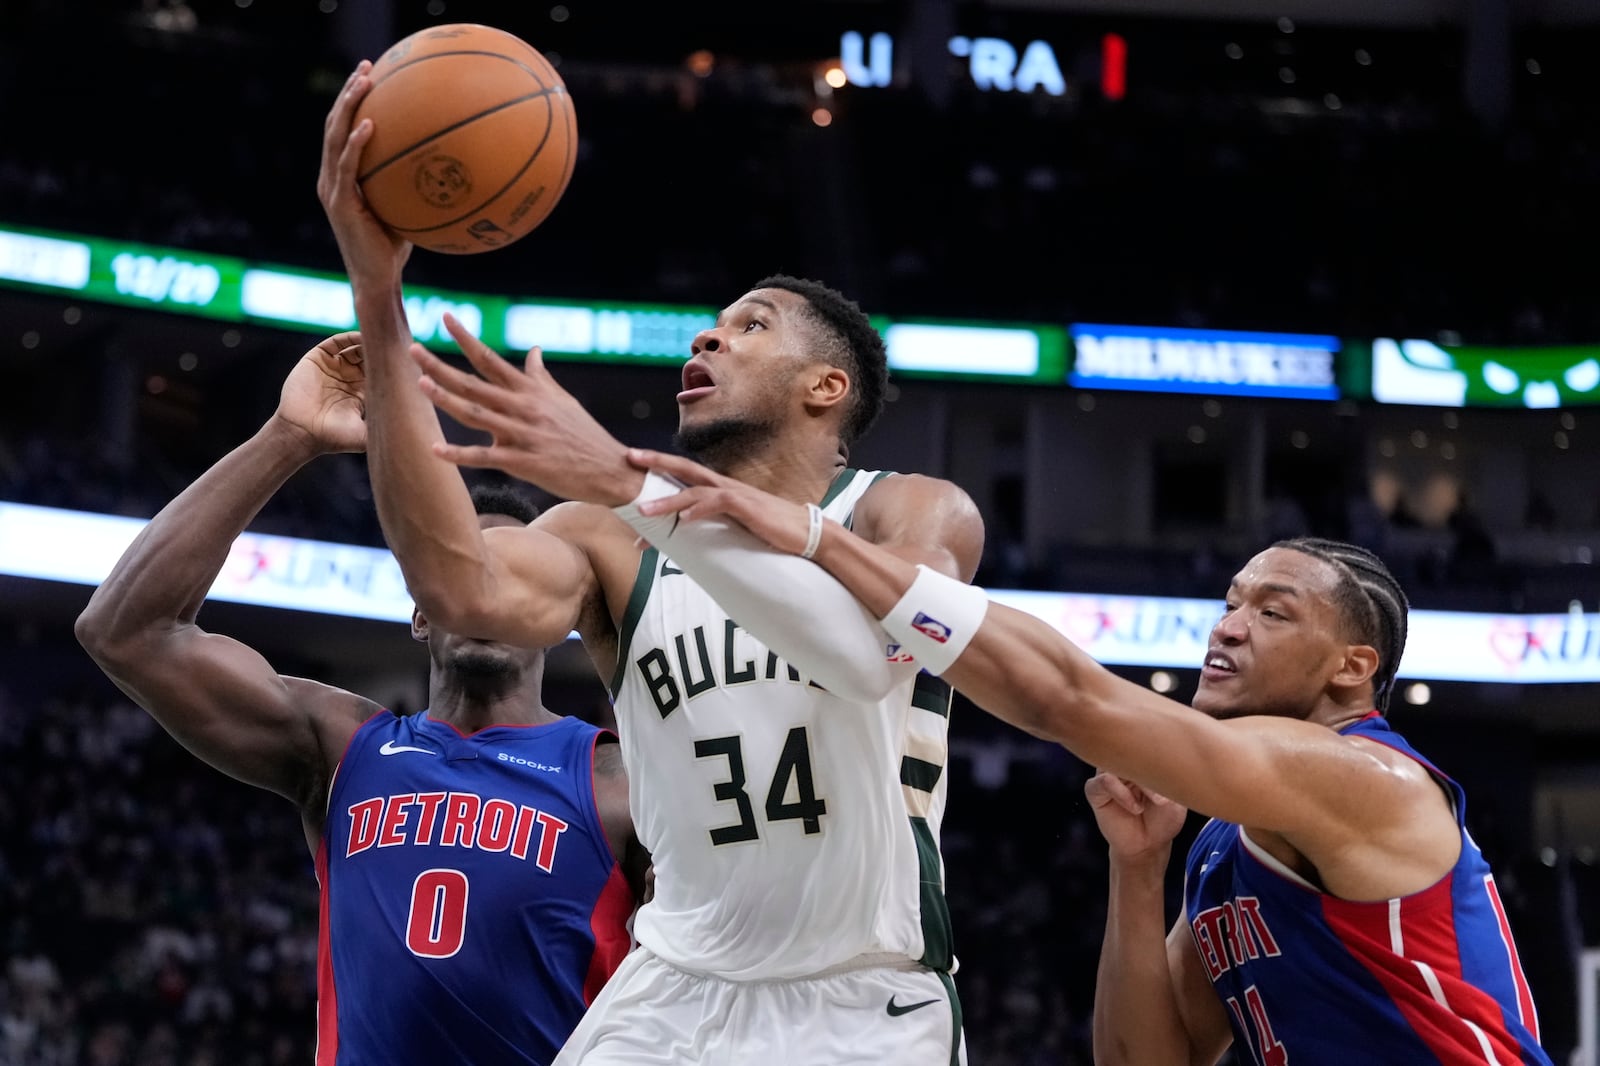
x=813, y=530
x=936, y=619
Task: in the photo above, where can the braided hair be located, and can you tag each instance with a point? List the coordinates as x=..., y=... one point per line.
x=1371, y=601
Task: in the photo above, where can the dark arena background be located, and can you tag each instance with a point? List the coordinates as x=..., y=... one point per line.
x=1163, y=280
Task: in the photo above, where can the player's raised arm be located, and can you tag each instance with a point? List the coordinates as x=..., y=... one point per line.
x=218, y=697
x=455, y=573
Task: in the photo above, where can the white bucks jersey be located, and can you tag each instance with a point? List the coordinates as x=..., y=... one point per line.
x=792, y=830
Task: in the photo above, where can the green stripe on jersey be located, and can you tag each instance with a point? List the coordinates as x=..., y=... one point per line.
x=931, y=693
x=919, y=773
x=840, y=482
x=630, y=618
x=955, y=1018
x=936, y=938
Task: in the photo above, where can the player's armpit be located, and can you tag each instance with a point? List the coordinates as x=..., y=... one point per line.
x=923, y=520
x=611, y=800
x=1204, y=1018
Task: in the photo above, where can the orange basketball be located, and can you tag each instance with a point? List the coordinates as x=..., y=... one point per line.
x=473, y=140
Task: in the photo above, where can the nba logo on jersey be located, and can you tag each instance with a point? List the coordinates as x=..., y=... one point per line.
x=931, y=628
x=896, y=653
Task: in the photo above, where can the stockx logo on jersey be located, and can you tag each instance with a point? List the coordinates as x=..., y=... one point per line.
x=931, y=628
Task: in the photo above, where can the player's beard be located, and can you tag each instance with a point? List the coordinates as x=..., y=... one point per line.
x=718, y=443
x=484, y=671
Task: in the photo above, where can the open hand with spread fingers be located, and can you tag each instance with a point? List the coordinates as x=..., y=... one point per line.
x=538, y=430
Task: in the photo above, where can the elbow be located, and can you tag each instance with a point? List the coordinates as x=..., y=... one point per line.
x=98, y=635
x=93, y=630
x=452, y=608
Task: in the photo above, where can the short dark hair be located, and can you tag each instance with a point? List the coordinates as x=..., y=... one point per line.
x=855, y=347
x=1371, y=601
x=503, y=500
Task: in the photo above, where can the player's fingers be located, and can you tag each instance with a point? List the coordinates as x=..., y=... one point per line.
x=533, y=366
x=336, y=129
x=350, y=156
x=485, y=359
x=700, y=501
x=345, y=347
x=442, y=379
x=471, y=412
x=677, y=466
x=1113, y=789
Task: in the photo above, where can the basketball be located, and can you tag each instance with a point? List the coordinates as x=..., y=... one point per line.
x=474, y=138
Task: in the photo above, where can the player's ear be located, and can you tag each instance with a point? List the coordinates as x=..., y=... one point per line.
x=419, y=625
x=828, y=386
x=1359, y=666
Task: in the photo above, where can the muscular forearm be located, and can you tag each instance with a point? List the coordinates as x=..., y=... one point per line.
x=422, y=501
x=1136, y=1019
x=1024, y=672
x=164, y=575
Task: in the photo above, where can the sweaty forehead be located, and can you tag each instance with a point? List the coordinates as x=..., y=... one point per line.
x=1286, y=568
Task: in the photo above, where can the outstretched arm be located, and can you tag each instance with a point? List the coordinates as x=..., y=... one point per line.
x=1278, y=774
x=524, y=590
x=541, y=434
x=219, y=698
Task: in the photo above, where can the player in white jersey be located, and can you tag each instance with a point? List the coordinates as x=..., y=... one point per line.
x=785, y=761
x=825, y=791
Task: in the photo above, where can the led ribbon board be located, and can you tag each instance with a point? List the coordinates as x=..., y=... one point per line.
x=1218, y=362
x=353, y=581
x=1436, y=375
x=644, y=334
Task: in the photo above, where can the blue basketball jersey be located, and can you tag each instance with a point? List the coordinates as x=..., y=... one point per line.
x=1308, y=978
x=471, y=905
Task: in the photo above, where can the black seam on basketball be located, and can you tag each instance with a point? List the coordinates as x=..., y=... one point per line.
x=533, y=156
x=466, y=52
x=455, y=126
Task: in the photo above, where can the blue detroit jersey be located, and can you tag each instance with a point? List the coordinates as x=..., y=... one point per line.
x=1312, y=979
x=471, y=906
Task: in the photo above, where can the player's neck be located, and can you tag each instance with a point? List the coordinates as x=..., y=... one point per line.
x=470, y=710
x=799, y=474
x=1338, y=713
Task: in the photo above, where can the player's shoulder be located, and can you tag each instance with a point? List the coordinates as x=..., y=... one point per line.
x=897, y=482
x=896, y=496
